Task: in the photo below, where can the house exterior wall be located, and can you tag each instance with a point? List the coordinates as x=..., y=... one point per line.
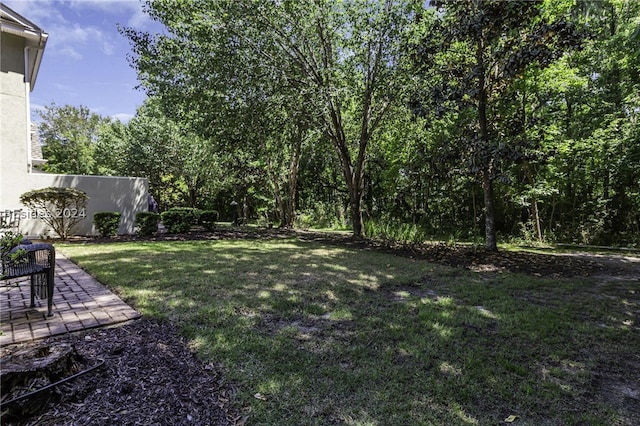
x=13, y=108
x=122, y=194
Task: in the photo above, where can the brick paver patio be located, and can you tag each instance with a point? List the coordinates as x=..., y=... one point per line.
x=79, y=302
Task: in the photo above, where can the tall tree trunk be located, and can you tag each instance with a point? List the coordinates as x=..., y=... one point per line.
x=354, y=179
x=487, y=178
x=536, y=215
x=353, y=174
x=491, y=243
x=355, y=197
x=274, y=178
x=294, y=166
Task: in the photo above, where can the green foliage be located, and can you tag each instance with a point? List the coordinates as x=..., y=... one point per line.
x=111, y=149
x=147, y=223
x=8, y=241
x=336, y=66
x=471, y=60
x=395, y=232
x=208, y=219
x=180, y=219
x=171, y=157
x=60, y=208
x=317, y=121
x=321, y=216
x=107, y=223
x=68, y=135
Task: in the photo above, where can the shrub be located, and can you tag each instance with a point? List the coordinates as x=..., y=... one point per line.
x=107, y=223
x=7, y=242
x=179, y=219
x=60, y=208
x=147, y=223
x=208, y=219
x=394, y=232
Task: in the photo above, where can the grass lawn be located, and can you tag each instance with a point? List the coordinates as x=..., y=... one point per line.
x=315, y=334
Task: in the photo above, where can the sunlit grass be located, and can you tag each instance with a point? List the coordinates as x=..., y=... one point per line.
x=329, y=335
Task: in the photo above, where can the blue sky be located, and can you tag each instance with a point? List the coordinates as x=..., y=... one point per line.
x=85, y=61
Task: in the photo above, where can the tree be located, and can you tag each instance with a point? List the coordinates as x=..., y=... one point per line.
x=179, y=165
x=110, y=148
x=343, y=57
x=60, y=208
x=68, y=135
x=590, y=103
x=471, y=55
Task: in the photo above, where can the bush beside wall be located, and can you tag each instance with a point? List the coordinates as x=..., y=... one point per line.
x=107, y=223
x=180, y=219
x=147, y=223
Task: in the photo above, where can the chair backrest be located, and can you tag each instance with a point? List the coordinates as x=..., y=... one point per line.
x=10, y=221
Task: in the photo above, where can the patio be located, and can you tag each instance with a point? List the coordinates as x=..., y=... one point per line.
x=79, y=302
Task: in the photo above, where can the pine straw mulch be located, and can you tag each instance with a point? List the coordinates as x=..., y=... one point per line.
x=151, y=376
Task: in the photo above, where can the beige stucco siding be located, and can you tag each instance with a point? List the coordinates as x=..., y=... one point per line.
x=13, y=112
x=12, y=56
x=128, y=196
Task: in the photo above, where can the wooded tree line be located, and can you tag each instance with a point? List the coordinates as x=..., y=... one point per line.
x=473, y=118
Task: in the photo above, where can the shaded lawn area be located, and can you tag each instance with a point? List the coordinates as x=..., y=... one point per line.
x=316, y=334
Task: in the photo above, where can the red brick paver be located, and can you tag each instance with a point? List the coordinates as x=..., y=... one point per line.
x=79, y=302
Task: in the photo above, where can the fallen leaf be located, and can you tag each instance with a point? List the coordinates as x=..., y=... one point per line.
x=510, y=419
x=260, y=396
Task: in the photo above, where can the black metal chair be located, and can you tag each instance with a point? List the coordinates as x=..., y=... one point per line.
x=38, y=261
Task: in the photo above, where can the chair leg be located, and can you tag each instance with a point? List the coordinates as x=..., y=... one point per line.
x=50, y=281
x=34, y=283
x=43, y=289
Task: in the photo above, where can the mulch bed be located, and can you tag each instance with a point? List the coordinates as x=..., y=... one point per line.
x=151, y=376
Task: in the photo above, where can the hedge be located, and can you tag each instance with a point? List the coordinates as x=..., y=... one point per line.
x=107, y=223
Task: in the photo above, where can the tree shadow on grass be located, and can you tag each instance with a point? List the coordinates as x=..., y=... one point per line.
x=320, y=334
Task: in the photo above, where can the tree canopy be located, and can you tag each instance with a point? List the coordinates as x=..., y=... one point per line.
x=398, y=119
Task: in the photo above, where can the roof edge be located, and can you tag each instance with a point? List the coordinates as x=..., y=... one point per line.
x=12, y=22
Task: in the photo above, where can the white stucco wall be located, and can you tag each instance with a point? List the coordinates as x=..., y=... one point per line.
x=115, y=194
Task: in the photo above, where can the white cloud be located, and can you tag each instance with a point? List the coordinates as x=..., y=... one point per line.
x=108, y=48
x=67, y=51
x=69, y=41
x=83, y=41
x=106, y=6
x=124, y=117
x=64, y=88
x=140, y=20
x=79, y=34
x=38, y=12
x=133, y=8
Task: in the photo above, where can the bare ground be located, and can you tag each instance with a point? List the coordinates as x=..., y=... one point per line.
x=144, y=373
